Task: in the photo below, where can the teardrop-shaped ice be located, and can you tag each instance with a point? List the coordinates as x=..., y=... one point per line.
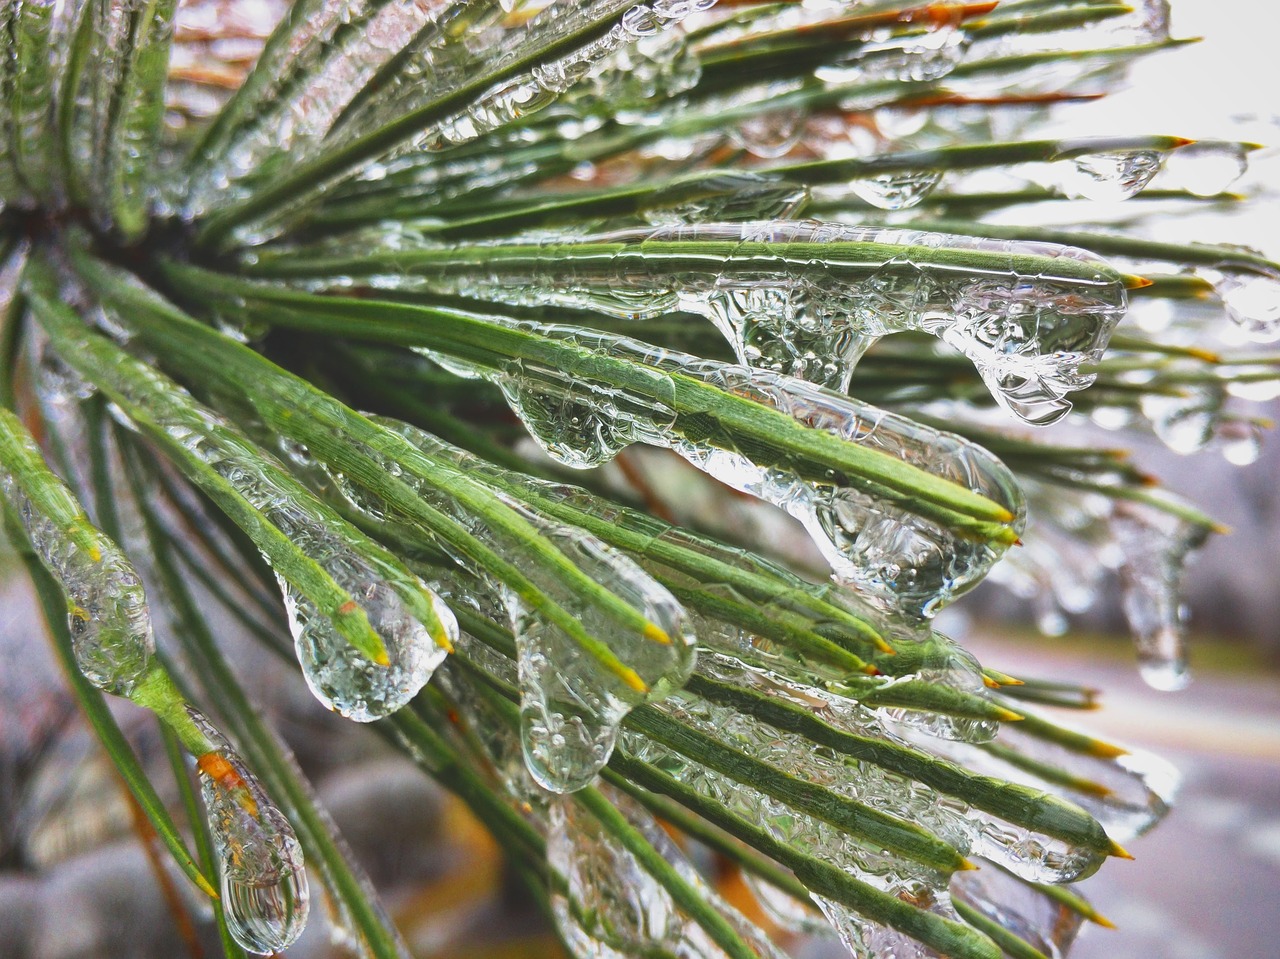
x=343, y=678
x=1107, y=176
x=896, y=191
x=263, y=884
x=1185, y=420
x=1252, y=299
x=570, y=705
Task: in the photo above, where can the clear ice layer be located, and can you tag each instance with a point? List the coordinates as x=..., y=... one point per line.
x=107, y=614
x=611, y=907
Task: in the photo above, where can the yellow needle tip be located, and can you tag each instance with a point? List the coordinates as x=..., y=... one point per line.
x=632, y=679
x=1102, y=921
x=1132, y=282
x=1008, y=715
x=1119, y=851
x=657, y=634
x=966, y=866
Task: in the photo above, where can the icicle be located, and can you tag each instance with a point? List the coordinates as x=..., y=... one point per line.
x=263, y=884
x=571, y=704
x=1155, y=545
x=870, y=940
x=808, y=299
x=1045, y=924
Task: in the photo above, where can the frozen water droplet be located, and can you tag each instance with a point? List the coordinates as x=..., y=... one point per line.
x=1253, y=301
x=1163, y=664
x=1205, y=168
x=896, y=191
x=343, y=678
x=263, y=883
x=1044, y=923
x=1241, y=442
x=1186, y=421
x=1108, y=176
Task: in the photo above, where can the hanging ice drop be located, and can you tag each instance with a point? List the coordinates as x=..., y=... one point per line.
x=343, y=678
x=263, y=884
x=1155, y=545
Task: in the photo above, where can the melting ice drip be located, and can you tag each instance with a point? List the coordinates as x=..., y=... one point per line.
x=263, y=884
x=1076, y=537
x=901, y=559
x=807, y=299
x=571, y=704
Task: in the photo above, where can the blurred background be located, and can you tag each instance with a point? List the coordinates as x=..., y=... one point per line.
x=1204, y=885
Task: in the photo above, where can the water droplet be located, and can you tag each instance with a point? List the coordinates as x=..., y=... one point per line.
x=1185, y=421
x=1252, y=300
x=1155, y=545
x=1241, y=442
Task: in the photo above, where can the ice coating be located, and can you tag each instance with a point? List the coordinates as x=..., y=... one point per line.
x=896, y=557
x=1127, y=791
x=1024, y=851
x=264, y=889
x=612, y=908
x=571, y=704
x=807, y=299
x=107, y=615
